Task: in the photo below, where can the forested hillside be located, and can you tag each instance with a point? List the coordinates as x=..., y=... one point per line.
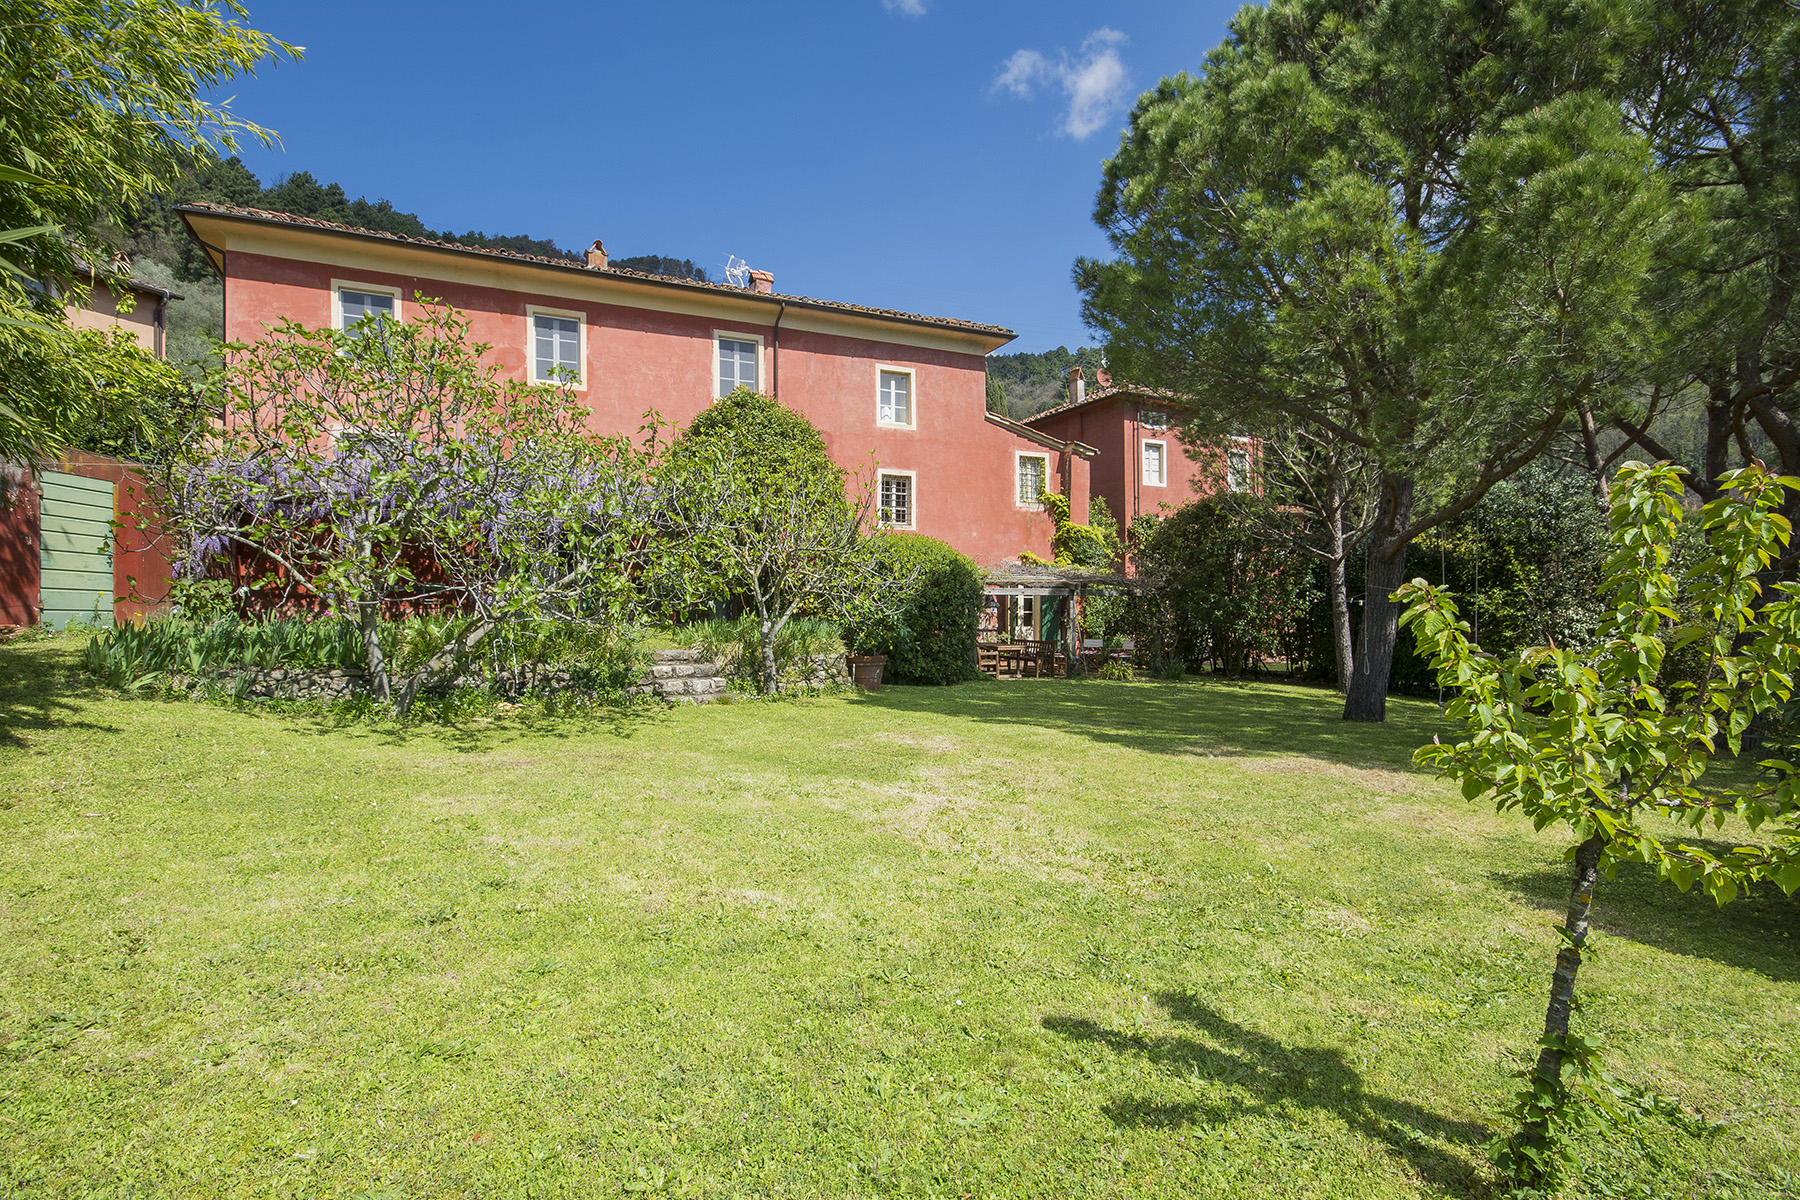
x=1021, y=385
x=162, y=253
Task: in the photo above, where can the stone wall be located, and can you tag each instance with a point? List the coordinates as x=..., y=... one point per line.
x=681, y=677
x=678, y=676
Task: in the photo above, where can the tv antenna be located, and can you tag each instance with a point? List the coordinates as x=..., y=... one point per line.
x=737, y=271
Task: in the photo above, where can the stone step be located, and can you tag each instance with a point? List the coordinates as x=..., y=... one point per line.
x=675, y=656
x=682, y=670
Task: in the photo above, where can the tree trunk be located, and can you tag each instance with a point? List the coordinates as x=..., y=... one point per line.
x=1590, y=449
x=767, y=630
x=451, y=658
x=1562, y=984
x=368, y=613
x=1340, y=588
x=1367, y=697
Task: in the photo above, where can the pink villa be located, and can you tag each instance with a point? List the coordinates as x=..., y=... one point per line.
x=908, y=391
x=1141, y=466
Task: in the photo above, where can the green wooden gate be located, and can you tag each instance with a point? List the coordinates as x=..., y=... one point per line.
x=76, y=554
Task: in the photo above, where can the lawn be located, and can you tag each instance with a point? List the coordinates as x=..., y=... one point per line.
x=1025, y=939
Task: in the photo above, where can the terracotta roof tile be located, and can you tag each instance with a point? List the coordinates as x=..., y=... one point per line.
x=266, y=217
x=1110, y=391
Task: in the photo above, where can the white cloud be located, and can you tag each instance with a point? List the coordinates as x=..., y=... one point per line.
x=906, y=8
x=1023, y=69
x=1094, y=80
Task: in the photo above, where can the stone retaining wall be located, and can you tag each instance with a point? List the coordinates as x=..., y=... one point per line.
x=678, y=676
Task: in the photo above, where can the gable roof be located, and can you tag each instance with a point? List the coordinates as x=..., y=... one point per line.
x=1111, y=391
x=998, y=334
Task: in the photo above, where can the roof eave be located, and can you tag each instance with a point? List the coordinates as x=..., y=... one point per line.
x=1043, y=439
x=991, y=338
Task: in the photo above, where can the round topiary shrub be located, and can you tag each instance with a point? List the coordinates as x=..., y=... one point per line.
x=932, y=639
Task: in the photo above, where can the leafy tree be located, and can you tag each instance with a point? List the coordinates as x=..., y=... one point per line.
x=930, y=637
x=1214, y=582
x=996, y=395
x=105, y=99
x=116, y=398
x=1303, y=469
x=758, y=511
x=1612, y=748
x=1030, y=383
x=1360, y=221
x=100, y=99
x=1711, y=84
x=303, y=195
x=1528, y=562
x=389, y=466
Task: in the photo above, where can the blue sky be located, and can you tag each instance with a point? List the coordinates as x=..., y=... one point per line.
x=937, y=156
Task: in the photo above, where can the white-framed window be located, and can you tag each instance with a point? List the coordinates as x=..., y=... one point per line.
x=898, y=499
x=894, y=397
x=1019, y=618
x=352, y=302
x=557, y=352
x=1151, y=419
x=738, y=361
x=1237, y=465
x=1031, y=473
x=1156, y=463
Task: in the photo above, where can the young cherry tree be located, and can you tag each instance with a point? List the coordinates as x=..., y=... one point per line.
x=1615, y=748
x=389, y=468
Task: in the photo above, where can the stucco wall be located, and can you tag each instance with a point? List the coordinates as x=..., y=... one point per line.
x=102, y=312
x=1111, y=426
x=140, y=551
x=638, y=360
x=19, y=562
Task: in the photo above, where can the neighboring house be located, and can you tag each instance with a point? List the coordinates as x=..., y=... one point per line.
x=903, y=391
x=1142, y=466
x=147, y=321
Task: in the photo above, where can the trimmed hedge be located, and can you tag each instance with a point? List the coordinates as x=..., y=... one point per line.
x=932, y=640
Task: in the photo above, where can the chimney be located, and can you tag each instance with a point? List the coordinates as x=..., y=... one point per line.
x=1077, y=386
x=762, y=283
x=596, y=256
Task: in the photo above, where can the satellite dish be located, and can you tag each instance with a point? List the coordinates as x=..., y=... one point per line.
x=737, y=271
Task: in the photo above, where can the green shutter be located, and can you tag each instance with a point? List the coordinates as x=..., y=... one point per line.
x=76, y=554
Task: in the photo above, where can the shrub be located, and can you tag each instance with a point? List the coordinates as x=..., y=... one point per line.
x=599, y=659
x=931, y=640
x=1221, y=583
x=1095, y=545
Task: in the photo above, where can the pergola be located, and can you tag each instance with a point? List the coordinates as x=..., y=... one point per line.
x=1051, y=595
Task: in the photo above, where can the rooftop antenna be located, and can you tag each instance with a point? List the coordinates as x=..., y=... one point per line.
x=737, y=271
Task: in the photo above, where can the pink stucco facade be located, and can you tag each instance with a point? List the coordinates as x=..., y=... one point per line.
x=651, y=345
x=1118, y=422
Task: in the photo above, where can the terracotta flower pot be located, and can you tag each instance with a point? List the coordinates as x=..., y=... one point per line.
x=865, y=670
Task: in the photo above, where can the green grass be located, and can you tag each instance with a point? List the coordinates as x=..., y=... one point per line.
x=1026, y=939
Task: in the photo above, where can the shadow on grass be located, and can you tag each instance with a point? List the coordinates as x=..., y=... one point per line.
x=479, y=734
x=1257, y=1074
x=1757, y=932
x=41, y=689
x=1197, y=716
